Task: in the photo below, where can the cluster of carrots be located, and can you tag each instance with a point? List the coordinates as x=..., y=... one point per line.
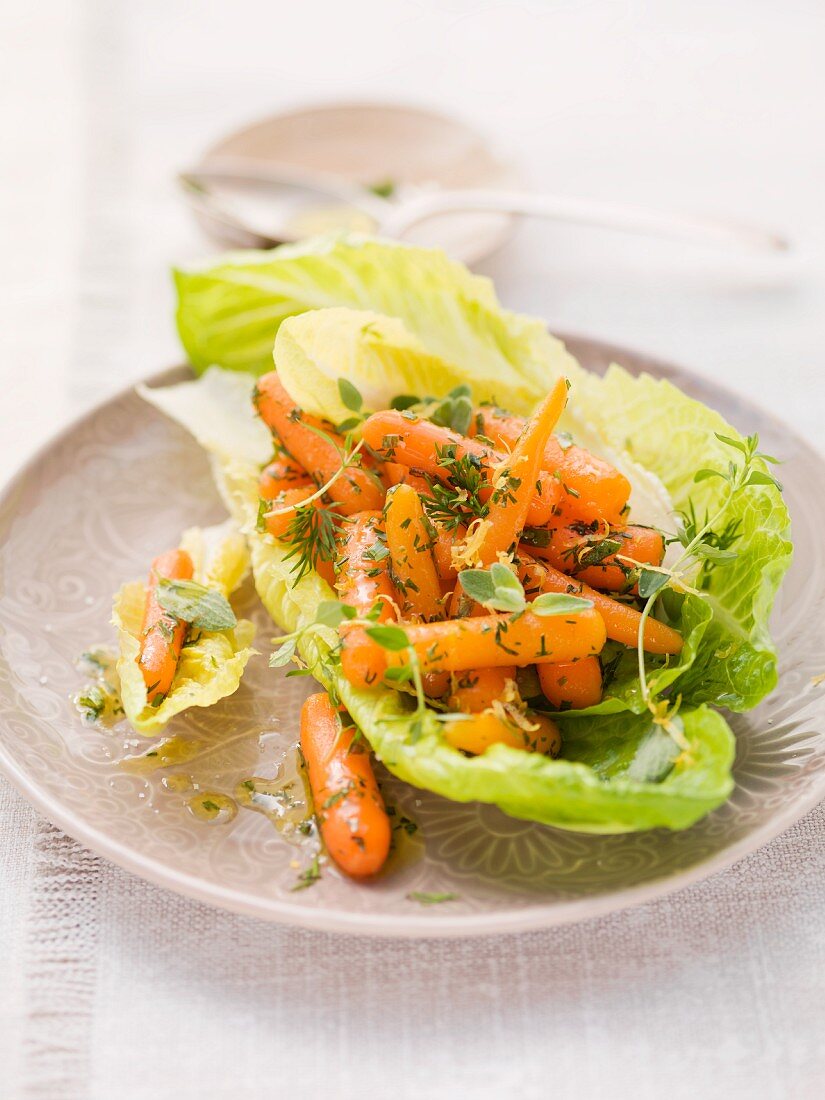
x=413, y=508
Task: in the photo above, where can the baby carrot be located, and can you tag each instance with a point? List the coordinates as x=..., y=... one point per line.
x=594, y=488
x=410, y=540
x=348, y=803
x=445, y=540
x=281, y=474
x=515, y=485
x=321, y=455
x=478, y=688
x=572, y=684
x=162, y=635
x=427, y=448
x=276, y=521
x=486, y=641
x=480, y=731
x=621, y=620
x=599, y=557
x=393, y=473
x=363, y=574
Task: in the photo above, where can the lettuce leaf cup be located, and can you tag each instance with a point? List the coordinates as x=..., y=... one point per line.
x=211, y=662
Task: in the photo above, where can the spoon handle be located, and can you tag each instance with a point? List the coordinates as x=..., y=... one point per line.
x=609, y=215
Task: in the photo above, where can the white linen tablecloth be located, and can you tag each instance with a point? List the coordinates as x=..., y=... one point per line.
x=110, y=987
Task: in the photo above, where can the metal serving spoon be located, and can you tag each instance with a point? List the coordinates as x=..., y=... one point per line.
x=263, y=206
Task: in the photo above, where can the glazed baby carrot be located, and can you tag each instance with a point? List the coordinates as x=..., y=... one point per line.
x=600, y=557
x=515, y=484
x=480, y=731
x=363, y=573
x=348, y=803
x=278, y=520
x=162, y=635
x=427, y=448
x=445, y=540
x=594, y=488
x=393, y=473
x=321, y=455
x=621, y=620
x=486, y=641
x=410, y=541
x=478, y=688
x=573, y=684
x=281, y=474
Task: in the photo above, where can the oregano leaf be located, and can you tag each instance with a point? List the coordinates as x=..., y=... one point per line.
x=558, y=603
x=389, y=637
x=190, y=602
x=350, y=396
x=650, y=582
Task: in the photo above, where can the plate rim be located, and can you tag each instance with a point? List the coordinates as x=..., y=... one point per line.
x=416, y=925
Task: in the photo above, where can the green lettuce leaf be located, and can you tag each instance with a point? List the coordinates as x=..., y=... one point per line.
x=229, y=313
x=729, y=658
x=211, y=663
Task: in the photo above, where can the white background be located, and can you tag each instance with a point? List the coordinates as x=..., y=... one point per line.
x=695, y=105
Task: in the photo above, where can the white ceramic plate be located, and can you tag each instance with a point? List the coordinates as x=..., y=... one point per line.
x=89, y=512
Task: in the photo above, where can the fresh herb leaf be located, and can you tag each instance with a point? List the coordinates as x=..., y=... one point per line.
x=478, y=584
x=505, y=580
x=284, y=653
x=350, y=396
x=557, y=603
x=596, y=552
x=496, y=588
x=713, y=553
x=337, y=797
x=424, y=897
x=333, y=613
x=308, y=877
x=389, y=637
x=759, y=477
x=92, y=703
x=347, y=425
x=384, y=189
x=193, y=603
x=738, y=444
x=650, y=581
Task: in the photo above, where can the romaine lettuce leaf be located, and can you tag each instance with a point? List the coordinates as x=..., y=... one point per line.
x=229, y=312
x=671, y=434
x=212, y=663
